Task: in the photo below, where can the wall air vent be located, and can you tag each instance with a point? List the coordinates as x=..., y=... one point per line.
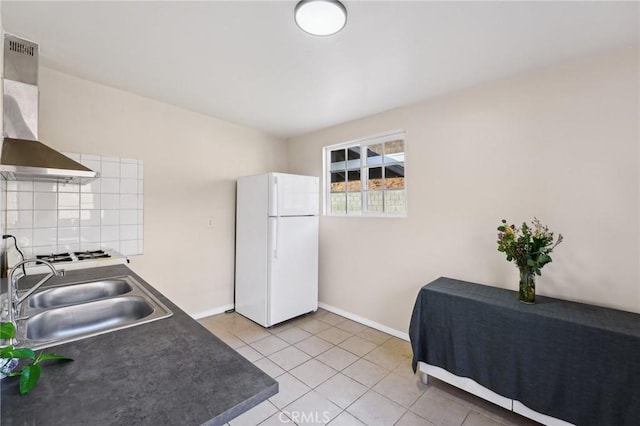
x=20, y=60
x=18, y=47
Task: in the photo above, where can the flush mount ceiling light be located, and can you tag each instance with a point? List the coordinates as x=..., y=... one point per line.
x=320, y=17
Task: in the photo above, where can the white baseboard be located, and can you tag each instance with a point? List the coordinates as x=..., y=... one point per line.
x=365, y=321
x=212, y=311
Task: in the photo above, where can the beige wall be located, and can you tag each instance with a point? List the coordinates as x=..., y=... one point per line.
x=190, y=165
x=560, y=144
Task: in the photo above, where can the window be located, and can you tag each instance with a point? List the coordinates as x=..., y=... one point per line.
x=366, y=177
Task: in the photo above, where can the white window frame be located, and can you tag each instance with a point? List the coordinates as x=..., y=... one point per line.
x=362, y=143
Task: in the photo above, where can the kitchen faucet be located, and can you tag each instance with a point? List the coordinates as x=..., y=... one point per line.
x=12, y=292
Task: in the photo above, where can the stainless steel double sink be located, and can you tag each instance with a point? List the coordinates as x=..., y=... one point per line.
x=69, y=312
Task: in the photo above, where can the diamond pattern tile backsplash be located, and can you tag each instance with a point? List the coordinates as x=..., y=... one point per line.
x=106, y=213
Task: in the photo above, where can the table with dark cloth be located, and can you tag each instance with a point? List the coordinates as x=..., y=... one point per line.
x=576, y=362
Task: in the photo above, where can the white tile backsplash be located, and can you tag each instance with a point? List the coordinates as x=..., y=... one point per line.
x=129, y=170
x=92, y=187
x=110, y=233
x=19, y=200
x=20, y=219
x=15, y=185
x=68, y=200
x=128, y=186
x=45, y=218
x=128, y=201
x=86, y=246
x=129, y=217
x=24, y=237
x=90, y=218
x=89, y=201
x=68, y=217
x=110, y=217
x=129, y=247
x=110, y=169
x=45, y=237
x=66, y=248
x=45, y=200
x=90, y=234
x=128, y=232
x=45, y=186
x=68, y=235
x=68, y=187
x=110, y=201
x=106, y=213
x=110, y=186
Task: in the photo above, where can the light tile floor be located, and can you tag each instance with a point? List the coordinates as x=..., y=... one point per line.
x=335, y=371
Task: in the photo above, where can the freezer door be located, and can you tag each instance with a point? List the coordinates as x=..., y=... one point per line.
x=293, y=267
x=293, y=195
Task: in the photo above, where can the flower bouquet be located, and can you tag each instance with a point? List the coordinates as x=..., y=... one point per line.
x=529, y=248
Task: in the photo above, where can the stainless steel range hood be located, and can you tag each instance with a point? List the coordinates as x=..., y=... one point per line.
x=22, y=156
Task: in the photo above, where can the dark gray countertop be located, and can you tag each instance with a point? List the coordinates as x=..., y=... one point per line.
x=168, y=372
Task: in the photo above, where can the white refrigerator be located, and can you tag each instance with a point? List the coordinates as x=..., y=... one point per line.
x=276, y=247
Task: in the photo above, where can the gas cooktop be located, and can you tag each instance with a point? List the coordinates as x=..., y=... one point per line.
x=74, y=256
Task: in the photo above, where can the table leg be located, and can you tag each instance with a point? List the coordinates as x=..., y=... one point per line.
x=425, y=378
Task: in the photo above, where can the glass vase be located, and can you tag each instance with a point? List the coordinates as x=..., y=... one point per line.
x=527, y=292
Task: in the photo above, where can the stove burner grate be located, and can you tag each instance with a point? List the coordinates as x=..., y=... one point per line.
x=55, y=258
x=94, y=254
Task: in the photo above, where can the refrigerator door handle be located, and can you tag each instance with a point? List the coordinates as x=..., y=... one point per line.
x=277, y=203
x=275, y=238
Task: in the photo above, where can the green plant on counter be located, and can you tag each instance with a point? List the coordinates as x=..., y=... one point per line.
x=30, y=373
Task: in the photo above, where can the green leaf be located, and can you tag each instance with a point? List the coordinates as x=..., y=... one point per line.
x=22, y=353
x=45, y=357
x=7, y=330
x=530, y=262
x=502, y=228
x=543, y=260
x=29, y=377
x=6, y=352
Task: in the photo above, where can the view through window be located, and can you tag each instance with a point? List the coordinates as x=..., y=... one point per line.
x=367, y=177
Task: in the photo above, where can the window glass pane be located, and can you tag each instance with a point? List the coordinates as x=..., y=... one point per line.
x=353, y=153
x=375, y=178
x=394, y=177
x=338, y=158
x=375, y=201
x=338, y=202
x=395, y=201
x=353, y=158
x=374, y=154
x=394, y=151
x=353, y=180
x=354, y=203
x=337, y=182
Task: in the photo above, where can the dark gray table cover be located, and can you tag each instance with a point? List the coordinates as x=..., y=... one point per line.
x=576, y=362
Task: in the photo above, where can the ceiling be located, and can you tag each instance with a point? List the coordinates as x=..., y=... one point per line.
x=248, y=63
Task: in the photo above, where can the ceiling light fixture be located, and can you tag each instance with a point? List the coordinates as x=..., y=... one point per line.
x=320, y=17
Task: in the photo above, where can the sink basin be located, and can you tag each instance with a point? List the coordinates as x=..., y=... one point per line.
x=75, y=311
x=87, y=317
x=78, y=293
